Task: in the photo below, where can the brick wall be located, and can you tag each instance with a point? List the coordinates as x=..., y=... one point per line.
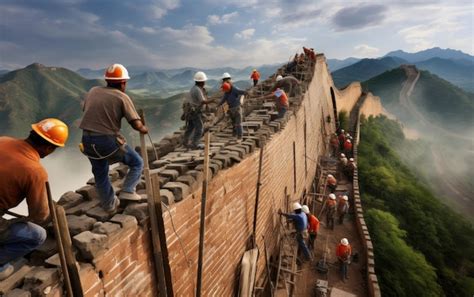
x=115, y=253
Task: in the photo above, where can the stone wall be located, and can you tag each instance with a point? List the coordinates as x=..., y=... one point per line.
x=347, y=98
x=115, y=253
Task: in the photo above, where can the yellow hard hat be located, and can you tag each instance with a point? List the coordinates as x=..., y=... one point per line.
x=53, y=130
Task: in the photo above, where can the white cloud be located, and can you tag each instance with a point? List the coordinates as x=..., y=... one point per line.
x=365, y=51
x=245, y=34
x=224, y=19
x=159, y=8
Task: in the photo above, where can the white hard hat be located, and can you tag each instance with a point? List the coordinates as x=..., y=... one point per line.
x=348, y=140
x=332, y=196
x=200, y=76
x=279, y=77
x=305, y=209
x=226, y=75
x=351, y=159
x=345, y=197
x=342, y=155
x=342, y=130
x=116, y=72
x=344, y=241
x=330, y=175
x=296, y=206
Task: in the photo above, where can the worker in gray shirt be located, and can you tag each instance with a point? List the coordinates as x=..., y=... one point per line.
x=289, y=84
x=192, y=111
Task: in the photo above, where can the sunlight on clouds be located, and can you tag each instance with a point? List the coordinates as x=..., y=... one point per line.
x=224, y=19
x=365, y=51
x=245, y=34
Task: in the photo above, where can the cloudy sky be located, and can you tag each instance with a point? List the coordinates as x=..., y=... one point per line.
x=214, y=33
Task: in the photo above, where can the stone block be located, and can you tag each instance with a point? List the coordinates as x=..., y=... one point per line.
x=18, y=293
x=99, y=214
x=82, y=207
x=224, y=160
x=187, y=179
x=38, y=279
x=159, y=164
x=113, y=175
x=89, y=244
x=141, y=185
x=172, y=175
x=181, y=168
x=167, y=196
x=70, y=199
x=179, y=190
x=126, y=221
x=44, y=251
x=79, y=224
x=15, y=280
x=107, y=228
x=138, y=210
x=91, y=181
x=197, y=175
x=53, y=261
x=89, y=192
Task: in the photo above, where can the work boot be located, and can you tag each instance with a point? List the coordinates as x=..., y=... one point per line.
x=6, y=270
x=114, y=208
x=129, y=196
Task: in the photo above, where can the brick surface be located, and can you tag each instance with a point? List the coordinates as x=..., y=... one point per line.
x=138, y=210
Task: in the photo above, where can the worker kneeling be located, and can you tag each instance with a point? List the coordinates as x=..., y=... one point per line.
x=232, y=98
x=23, y=176
x=301, y=225
x=104, y=108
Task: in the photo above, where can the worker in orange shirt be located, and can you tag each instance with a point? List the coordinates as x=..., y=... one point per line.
x=22, y=176
x=255, y=76
x=313, y=227
x=343, y=253
x=342, y=207
x=281, y=101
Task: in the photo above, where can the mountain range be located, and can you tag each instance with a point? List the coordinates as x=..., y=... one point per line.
x=453, y=66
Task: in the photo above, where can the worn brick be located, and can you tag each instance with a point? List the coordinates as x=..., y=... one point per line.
x=170, y=174
x=79, y=224
x=181, y=168
x=98, y=213
x=70, y=199
x=197, y=175
x=18, y=293
x=107, y=228
x=180, y=190
x=38, y=279
x=89, y=192
x=166, y=196
x=188, y=180
x=126, y=221
x=89, y=244
x=82, y=207
x=138, y=210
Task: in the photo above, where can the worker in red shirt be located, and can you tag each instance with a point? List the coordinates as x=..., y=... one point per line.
x=342, y=139
x=255, y=76
x=343, y=253
x=348, y=147
x=23, y=177
x=313, y=227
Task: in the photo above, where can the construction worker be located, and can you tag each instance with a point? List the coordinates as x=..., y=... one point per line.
x=342, y=207
x=301, y=225
x=255, y=76
x=232, y=96
x=331, y=183
x=349, y=169
x=22, y=176
x=226, y=78
x=348, y=147
x=192, y=111
x=330, y=210
x=343, y=253
x=342, y=139
x=342, y=165
x=104, y=108
x=334, y=141
x=289, y=84
x=313, y=227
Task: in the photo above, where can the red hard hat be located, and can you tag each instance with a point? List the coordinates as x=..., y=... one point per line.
x=226, y=87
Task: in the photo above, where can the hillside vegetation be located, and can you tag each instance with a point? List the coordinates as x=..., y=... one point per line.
x=422, y=247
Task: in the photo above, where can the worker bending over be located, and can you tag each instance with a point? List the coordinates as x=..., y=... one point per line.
x=22, y=176
x=290, y=84
x=281, y=101
x=104, y=108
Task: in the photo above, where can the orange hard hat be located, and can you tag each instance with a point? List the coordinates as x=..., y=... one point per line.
x=116, y=72
x=52, y=130
x=226, y=87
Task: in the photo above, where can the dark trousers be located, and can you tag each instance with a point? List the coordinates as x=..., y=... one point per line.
x=312, y=240
x=194, y=129
x=255, y=82
x=235, y=114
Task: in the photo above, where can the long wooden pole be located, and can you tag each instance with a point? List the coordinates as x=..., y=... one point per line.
x=68, y=254
x=153, y=219
x=207, y=139
x=62, y=258
x=257, y=196
x=155, y=181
